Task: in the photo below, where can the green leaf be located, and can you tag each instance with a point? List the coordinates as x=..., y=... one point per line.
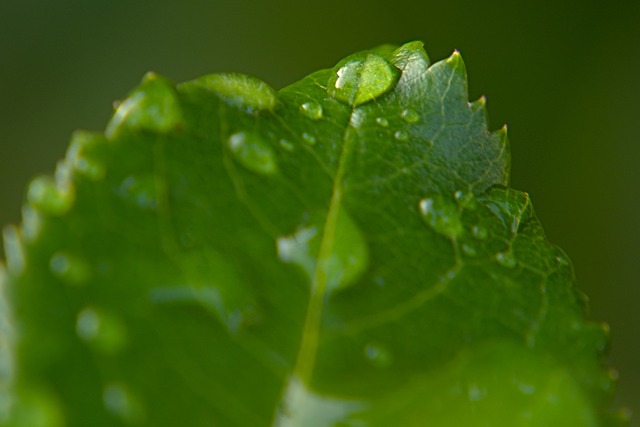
x=343, y=252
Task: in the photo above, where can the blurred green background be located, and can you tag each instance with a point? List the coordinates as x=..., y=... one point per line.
x=564, y=76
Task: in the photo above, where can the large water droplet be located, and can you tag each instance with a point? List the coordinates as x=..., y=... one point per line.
x=252, y=152
x=349, y=256
x=49, y=197
x=242, y=91
x=102, y=330
x=303, y=407
x=378, y=355
x=312, y=110
x=141, y=190
x=410, y=115
x=153, y=106
x=441, y=214
x=70, y=268
x=362, y=78
x=121, y=402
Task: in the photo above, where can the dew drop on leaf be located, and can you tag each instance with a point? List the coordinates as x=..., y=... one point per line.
x=308, y=138
x=378, y=355
x=48, y=197
x=102, y=330
x=121, y=402
x=286, y=145
x=70, y=268
x=401, y=135
x=245, y=92
x=506, y=259
x=441, y=214
x=139, y=190
x=252, y=152
x=382, y=122
x=469, y=250
x=479, y=232
x=312, y=110
x=409, y=115
x=362, y=78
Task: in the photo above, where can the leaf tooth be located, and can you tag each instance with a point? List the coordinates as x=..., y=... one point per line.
x=13, y=250
x=49, y=196
x=85, y=154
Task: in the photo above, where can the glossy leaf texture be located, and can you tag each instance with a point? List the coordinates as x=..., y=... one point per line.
x=343, y=252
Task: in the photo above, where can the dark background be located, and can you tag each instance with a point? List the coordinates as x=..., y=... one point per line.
x=564, y=76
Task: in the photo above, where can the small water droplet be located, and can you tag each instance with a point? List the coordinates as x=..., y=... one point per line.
x=287, y=145
x=378, y=355
x=506, y=259
x=479, y=232
x=362, y=78
x=252, y=152
x=410, y=115
x=441, y=214
x=245, y=92
x=312, y=110
x=102, y=330
x=140, y=190
x=401, y=135
x=70, y=268
x=121, y=402
x=475, y=392
x=469, y=250
x=382, y=122
x=465, y=199
x=45, y=195
x=526, y=388
x=308, y=138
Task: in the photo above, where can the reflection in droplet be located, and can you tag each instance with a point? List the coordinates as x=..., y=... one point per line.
x=102, y=330
x=378, y=355
x=312, y=110
x=362, y=78
x=441, y=214
x=401, y=135
x=302, y=407
x=252, y=152
x=382, y=122
x=70, y=268
x=410, y=115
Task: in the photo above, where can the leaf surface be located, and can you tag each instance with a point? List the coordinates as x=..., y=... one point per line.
x=343, y=252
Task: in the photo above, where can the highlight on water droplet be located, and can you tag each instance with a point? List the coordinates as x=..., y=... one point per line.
x=382, y=122
x=378, y=355
x=252, y=152
x=362, y=78
x=51, y=197
x=506, y=259
x=465, y=199
x=103, y=331
x=441, y=214
x=401, y=135
x=312, y=110
x=70, y=268
x=410, y=115
x=245, y=92
x=120, y=401
x=308, y=138
x=303, y=407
